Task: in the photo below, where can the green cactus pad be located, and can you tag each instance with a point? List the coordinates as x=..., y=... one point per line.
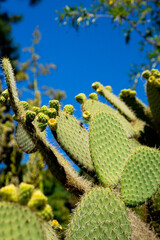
x=139, y=108
x=10, y=79
x=25, y=192
x=24, y=140
x=117, y=103
x=19, y=223
x=93, y=107
x=153, y=95
x=74, y=140
x=100, y=215
x=109, y=146
x=141, y=176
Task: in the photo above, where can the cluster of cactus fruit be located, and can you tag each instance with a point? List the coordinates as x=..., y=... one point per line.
x=119, y=154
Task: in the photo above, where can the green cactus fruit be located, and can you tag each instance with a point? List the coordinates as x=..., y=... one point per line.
x=52, y=124
x=36, y=109
x=93, y=107
x=25, y=105
x=25, y=192
x=109, y=146
x=141, y=176
x=74, y=140
x=96, y=85
x=42, y=118
x=155, y=72
x=117, y=103
x=81, y=98
x=93, y=96
x=30, y=116
x=52, y=112
x=86, y=115
x=146, y=74
x=3, y=100
x=19, y=223
x=54, y=104
x=11, y=85
x=42, y=126
x=9, y=193
x=5, y=94
x=46, y=213
x=100, y=215
x=140, y=109
x=44, y=109
x=109, y=88
x=38, y=200
x=24, y=141
x=68, y=109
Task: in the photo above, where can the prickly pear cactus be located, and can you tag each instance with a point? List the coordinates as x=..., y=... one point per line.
x=121, y=172
x=99, y=215
x=18, y=222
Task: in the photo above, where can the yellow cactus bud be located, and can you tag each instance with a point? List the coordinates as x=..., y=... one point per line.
x=52, y=124
x=9, y=193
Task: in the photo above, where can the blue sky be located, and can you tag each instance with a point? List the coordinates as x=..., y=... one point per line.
x=96, y=53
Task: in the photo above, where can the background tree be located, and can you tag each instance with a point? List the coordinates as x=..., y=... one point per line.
x=140, y=16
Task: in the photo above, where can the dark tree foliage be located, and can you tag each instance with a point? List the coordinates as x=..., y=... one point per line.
x=8, y=47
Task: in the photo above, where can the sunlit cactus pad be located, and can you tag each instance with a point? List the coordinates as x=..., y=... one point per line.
x=19, y=223
x=24, y=140
x=74, y=140
x=93, y=107
x=110, y=147
x=141, y=176
x=100, y=215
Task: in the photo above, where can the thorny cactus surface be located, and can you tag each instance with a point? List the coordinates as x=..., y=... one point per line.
x=119, y=152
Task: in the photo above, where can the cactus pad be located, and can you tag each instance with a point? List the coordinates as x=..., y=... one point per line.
x=74, y=140
x=10, y=79
x=24, y=140
x=93, y=107
x=141, y=176
x=99, y=215
x=19, y=223
x=110, y=147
